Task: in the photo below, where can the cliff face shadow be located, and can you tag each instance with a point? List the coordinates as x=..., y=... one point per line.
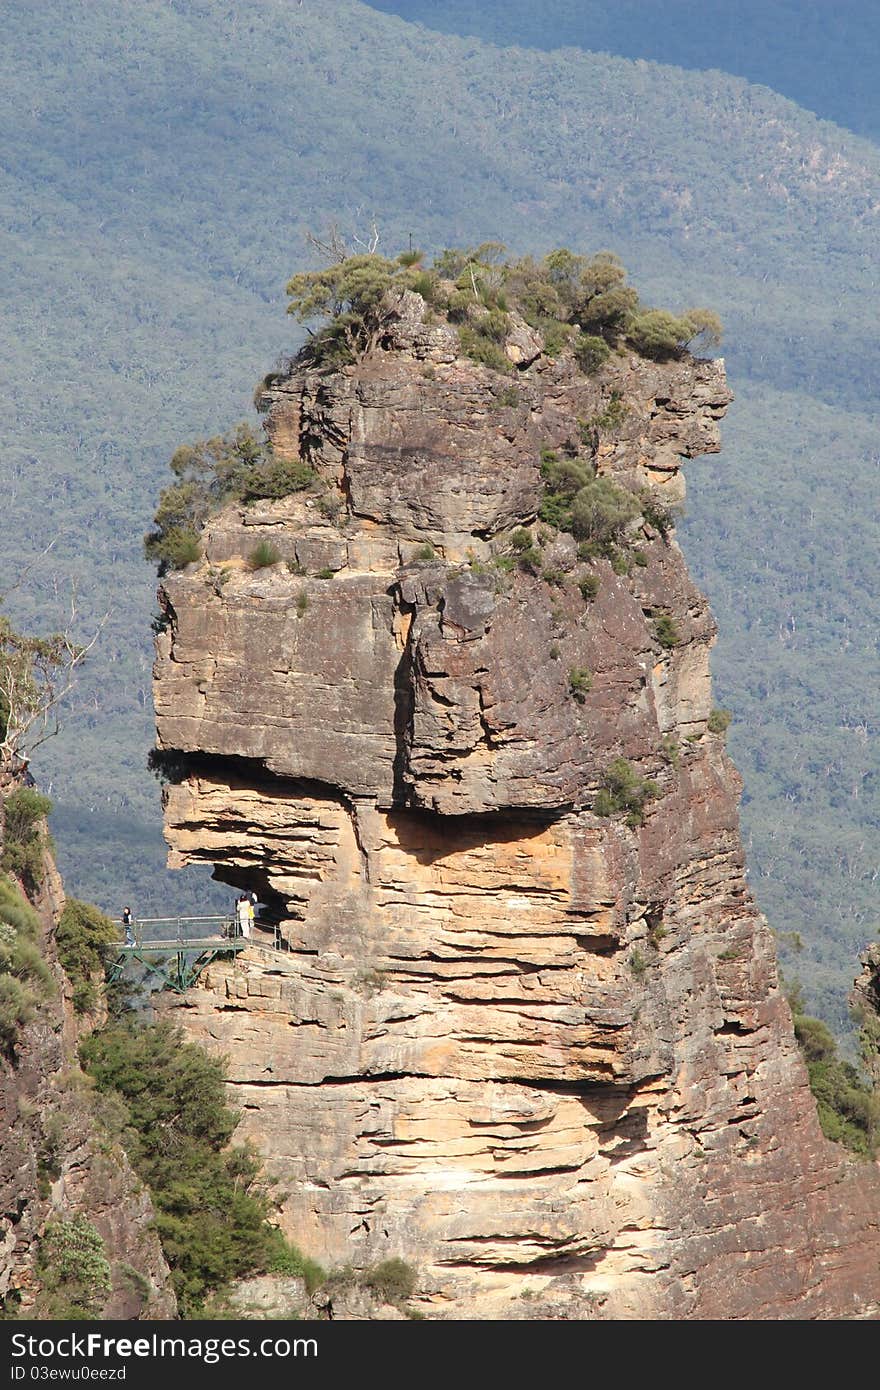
x=403, y=711
x=428, y=837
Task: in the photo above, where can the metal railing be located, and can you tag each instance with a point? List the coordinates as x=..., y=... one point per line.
x=187, y=932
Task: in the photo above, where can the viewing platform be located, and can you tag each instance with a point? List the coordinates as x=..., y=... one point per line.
x=175, y=950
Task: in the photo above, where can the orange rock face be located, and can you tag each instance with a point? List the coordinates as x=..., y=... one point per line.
x=538, y=1052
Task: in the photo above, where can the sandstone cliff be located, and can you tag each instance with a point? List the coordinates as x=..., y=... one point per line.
x=540, y=1053
x=58, y=1161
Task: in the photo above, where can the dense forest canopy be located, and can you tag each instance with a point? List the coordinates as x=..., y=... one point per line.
x=824, y=56
x=161, y=165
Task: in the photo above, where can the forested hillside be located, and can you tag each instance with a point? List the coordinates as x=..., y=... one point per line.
x=824, y=56
x=162, y=161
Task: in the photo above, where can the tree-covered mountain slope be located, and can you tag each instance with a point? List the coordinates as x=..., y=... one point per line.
x=824, y=56
x=161, y=164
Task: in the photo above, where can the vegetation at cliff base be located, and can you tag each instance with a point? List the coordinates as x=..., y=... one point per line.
x=211, y=1205
x=25, y=978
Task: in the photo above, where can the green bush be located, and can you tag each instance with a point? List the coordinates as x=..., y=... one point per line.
x=552, y=574
x=483, y=348
x=263, y=555
x=611, y=418
x=285, y=1258
x=174, y=549
x=231, y=467
x=658, y=334
x=591, y=353
x=83, y=937
x=426, y=284
x=529, y=561
x=637, y=963
x=564, y=477
x=666, y=631
x=17, y=1007
x=589, y=587
x=623, y=790
x=352, y=297
x=24, y=811
x=522, y=540
x=658, y=513
x=601, y=512
x=393, y=1281
x=276, y=478
x=719, y=721
x=848, y=1106
x=580, y=682
x=73, y=1269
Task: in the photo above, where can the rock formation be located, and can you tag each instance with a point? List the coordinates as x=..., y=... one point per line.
x=538, y=1052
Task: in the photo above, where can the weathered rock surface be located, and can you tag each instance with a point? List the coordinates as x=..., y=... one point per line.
x=540, y=1054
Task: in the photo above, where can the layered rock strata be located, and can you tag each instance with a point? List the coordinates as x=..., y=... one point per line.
x=537, y=1052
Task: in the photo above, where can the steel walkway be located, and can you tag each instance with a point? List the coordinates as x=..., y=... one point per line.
x=177, y=949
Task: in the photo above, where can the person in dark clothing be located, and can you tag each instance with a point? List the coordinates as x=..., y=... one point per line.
x=128, y=923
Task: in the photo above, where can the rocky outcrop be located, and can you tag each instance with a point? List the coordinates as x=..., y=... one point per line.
x=538, y=1052
x=59, y=1159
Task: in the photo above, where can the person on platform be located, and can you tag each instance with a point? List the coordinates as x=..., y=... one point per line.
x=248, y=918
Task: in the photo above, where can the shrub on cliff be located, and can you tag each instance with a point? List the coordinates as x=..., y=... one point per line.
x=580, y=683
x=601, y=512
x=211, y=1211
x=623, y=790
x=565, y=297
x=264, y=555
x=25, y=978
x=666, y=631
x=24, y=811
x=352, y=298
x=83, y=937
x=73, y=1268
x=719, y=721
x=848, y=1106
x=566, y=294
x=231, y=467
x=392, y=1281
x=657, y=333
x=590, y=352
